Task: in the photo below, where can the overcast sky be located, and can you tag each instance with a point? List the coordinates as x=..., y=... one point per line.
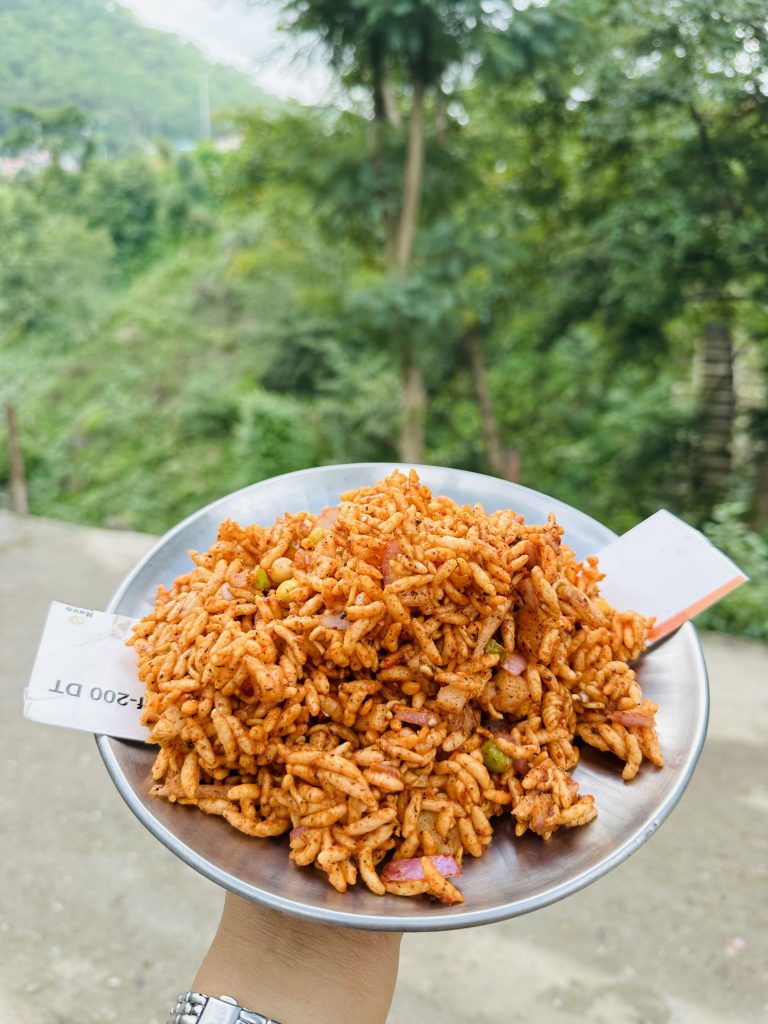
x=245, y=35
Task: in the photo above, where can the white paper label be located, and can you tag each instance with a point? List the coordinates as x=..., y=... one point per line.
x=665, y=568
x=84, y=676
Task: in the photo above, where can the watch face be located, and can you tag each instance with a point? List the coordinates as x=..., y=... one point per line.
x=515, y=875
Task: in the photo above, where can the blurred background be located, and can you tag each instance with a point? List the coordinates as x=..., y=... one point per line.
x=524, y=238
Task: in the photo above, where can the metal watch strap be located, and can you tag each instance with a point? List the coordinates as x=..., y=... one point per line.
x=196, y=1008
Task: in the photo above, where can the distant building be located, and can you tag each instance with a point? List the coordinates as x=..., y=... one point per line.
x=228, y=143
x=32, y=160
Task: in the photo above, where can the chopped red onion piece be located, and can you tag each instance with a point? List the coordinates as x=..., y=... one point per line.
x=631, y=717
x=298, y=831
x=410, y=870
x=500, y=727
x=414, y=717
x=391, y=550
x=328, y=518
x=515, y=663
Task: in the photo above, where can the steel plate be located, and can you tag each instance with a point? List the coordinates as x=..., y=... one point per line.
x=515, y=876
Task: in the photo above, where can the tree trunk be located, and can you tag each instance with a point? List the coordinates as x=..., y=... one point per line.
x=391, y=112
x=490, y=427
x=384, y=106
x=414, y=170
x=385, y=115
x=716, y=400
x=414, y=407
x=760, y=497
x=377, y=68
x=512, y=465
x=412, y=380
x=441, y=117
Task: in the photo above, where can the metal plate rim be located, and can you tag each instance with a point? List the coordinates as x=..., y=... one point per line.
x=454, y=918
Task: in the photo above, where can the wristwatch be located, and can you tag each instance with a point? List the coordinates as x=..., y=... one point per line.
x=196, y=1008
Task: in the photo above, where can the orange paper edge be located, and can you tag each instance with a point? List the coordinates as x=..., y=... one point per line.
x=668, y=625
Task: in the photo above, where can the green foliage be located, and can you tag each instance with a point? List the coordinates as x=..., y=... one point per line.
x=137, y=423
x=273, y=435
x=60, y=130
x=53, y=271
x=425, y=39
x=123, y=199
x=744, y=610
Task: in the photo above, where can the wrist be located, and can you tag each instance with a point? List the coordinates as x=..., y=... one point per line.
x=298, y=971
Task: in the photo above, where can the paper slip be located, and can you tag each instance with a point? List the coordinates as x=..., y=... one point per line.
x=665, y=568
x=84, y=676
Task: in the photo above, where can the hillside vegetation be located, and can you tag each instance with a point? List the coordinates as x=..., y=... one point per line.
x=133, y=82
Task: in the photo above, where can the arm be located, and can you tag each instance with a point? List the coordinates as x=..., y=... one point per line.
x=300, y=972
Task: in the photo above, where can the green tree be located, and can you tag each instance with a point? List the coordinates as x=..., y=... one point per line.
x=408, y=56
x=53, y=271
x=630, y=190
x=123, y=197
x=62, y=131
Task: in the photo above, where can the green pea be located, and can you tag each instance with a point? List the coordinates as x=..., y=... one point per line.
x=495, y=760
x=260, y=579
x=493, y=648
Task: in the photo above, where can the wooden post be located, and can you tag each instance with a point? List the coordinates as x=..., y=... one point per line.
x=19, y=502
